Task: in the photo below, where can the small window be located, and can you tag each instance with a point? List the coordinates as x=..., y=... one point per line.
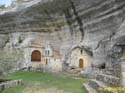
x=81, y=51
x=48, y=52
x=46, y=61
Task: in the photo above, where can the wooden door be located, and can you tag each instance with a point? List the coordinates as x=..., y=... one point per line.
x=36, y=56
x=81, y=63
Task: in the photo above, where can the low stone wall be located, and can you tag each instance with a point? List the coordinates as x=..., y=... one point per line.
x=114, y=71
x=9, y=84
x=109, y=80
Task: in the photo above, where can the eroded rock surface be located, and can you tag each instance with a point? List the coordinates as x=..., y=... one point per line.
x=93, y=26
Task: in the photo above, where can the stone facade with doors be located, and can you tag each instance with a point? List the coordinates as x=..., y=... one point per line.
x=34, y=56
x=39, y=57
x=79, y=58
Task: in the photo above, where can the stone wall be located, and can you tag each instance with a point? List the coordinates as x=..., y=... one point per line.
x=10, y=60
x=10, y=84
x=76, y=55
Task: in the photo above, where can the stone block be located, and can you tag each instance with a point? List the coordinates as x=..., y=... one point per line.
x=9, y=84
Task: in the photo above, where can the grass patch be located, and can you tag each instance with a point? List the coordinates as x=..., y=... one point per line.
x=17, y=89
x=46, y=80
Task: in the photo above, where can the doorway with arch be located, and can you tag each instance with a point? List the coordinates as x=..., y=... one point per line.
x=36, y=56
x=81, y=63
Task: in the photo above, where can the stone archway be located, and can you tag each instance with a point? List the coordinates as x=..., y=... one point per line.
x=36, y=56
x=81, y=63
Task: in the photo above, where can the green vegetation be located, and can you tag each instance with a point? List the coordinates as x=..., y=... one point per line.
x=41, y=80
x=2, y=6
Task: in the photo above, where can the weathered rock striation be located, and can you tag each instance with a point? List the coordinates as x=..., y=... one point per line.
x=102, y=24
x=93, y=28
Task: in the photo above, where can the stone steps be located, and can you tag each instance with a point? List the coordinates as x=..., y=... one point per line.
x=113, y=73
x=74, y=71
x=99, y=86
x=95, y=86
x=109, y=80
x=72, y=75
x=89, y=89
x=115, y=70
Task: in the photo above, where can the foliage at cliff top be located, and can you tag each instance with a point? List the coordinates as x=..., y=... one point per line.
x=2, y=6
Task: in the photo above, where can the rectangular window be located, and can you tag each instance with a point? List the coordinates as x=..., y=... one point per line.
x=48, y=52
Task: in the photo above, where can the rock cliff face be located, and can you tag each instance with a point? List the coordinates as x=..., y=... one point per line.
x=28, y=26
x=101, y=21
x=95, y=26
x=104, y=34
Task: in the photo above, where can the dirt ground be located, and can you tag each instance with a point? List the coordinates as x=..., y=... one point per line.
x=36, y=89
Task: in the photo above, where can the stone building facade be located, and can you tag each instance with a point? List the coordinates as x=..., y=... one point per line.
x=42, y=58
x=79, y=58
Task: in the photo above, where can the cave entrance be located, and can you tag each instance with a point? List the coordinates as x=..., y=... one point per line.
x=36, y=56
x=81, y=63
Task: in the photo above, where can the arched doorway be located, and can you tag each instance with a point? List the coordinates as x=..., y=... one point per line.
x=36, y=56
x=81, y=63
x=46, y=61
